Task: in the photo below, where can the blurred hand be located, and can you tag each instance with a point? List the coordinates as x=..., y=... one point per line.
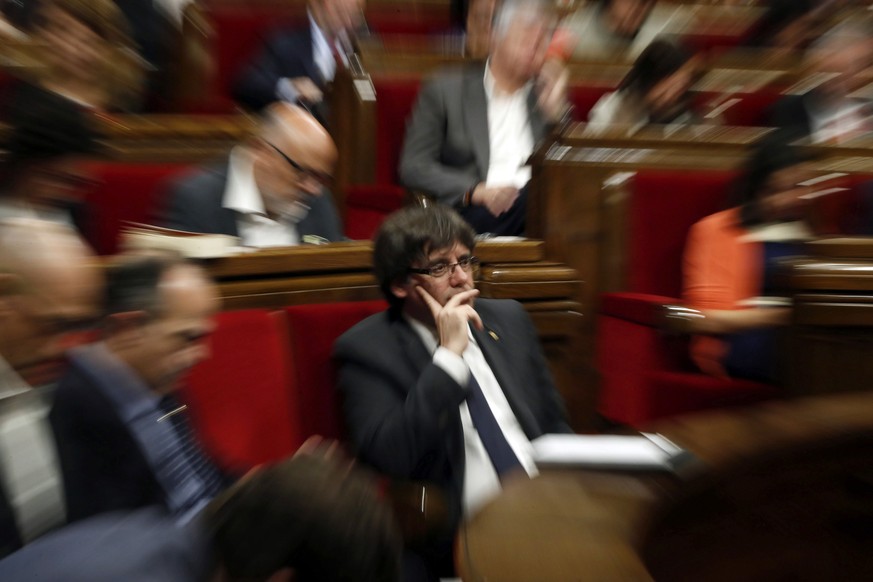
x=307, y=89
x=497, y=199
x=552, y=90
x=453, y=318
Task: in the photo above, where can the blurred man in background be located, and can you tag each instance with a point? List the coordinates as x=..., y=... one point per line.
x=48, y=289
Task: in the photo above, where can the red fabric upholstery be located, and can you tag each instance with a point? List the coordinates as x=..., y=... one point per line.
x=313, y=329
x=240, y=30
x=242, y=397
x=741, y=109
x=583, y=98
x=124, y=192
x=664, y=205
x=367, y=206
x=645, y=373
x=395, y=99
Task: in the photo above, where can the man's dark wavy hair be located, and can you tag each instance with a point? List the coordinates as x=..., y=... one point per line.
x=408, y=236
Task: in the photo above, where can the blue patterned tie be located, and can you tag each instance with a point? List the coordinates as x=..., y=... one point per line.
x=502, y=456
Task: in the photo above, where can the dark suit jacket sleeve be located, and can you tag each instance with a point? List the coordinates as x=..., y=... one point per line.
x=102, y=467
x=323, y=219
x=424, y=160
x=193, y=203
x=397, y=422
x=287, y=54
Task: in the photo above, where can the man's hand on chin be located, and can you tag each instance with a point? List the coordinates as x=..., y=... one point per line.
x=453, y=318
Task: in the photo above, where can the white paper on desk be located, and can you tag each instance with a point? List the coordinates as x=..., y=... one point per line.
x=644, y=452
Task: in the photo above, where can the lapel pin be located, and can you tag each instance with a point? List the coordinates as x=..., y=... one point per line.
x=493, y=335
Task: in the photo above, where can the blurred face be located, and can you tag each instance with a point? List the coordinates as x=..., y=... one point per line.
x=783, y=198
x=176, y=340
x=340, y=15
x=521, y=50
x=43, y=318
x=666, y=99
x=440, y=288
x=287, y=174
x=72, y=47
x=627, y=16
x=851, y=63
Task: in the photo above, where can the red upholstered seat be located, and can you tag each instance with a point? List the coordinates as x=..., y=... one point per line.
x=645, y=373
x=124, y=191
x=242, y=398
x=395, y=98
x=313, y=329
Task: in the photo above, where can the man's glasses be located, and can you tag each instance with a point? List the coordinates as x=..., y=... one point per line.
x=443, y=269
x=320, y=177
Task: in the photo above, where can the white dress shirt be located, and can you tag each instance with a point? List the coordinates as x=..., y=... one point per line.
x=28, y=460
x=481, y=483
x=255, y=228
x=510, y=138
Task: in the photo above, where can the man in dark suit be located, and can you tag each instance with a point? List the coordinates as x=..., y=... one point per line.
x=472, y=131
x=443, y=387
x=297, y=64
x=47, y=288
x=123, y=439
x=272, y=192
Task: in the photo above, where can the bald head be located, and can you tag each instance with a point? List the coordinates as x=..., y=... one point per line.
x=294, y=157
x=49, y=282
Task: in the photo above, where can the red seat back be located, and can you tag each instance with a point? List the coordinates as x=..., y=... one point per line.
x=242, y=397
x=395, y=98
x=663, y=205
x=313, y=329
x=124, y=191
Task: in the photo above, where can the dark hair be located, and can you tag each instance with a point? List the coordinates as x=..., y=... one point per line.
x=44, y=126
x=308, y=513
x=778, y=15
x=132, y=284
x=658, y=61
x=410, y=235
x=770, y=155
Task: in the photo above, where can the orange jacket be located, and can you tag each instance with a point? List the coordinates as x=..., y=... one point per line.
x=719, y=270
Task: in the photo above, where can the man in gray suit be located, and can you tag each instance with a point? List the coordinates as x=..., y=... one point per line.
x=270, y=193
x=472, y=130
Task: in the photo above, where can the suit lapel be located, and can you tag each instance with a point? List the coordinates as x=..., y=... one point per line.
x=475, y=105
x=496, y=352
x=411, y=345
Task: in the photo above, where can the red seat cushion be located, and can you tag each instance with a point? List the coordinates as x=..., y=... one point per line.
x=313, y=329
x=242, y=397
x=124, y=191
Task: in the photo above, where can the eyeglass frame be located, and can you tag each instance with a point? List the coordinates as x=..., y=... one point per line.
x=467, y=264
x=320, y=177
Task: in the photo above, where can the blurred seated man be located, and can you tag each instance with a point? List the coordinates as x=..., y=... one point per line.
x=271, y=192
x=444, y=387
x=296, y=65
x=43, y=174
x=731, y=264
x=609, y=29
x=657, y=90
x=48, y=288
x=840, y=61
x=472, y=130
x=123, y=439
x=306, y=519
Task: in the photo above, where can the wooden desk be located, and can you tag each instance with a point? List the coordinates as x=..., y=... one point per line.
x=780, y=474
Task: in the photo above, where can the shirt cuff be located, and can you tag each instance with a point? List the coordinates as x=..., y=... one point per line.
x=453, y=365
x=285, y=90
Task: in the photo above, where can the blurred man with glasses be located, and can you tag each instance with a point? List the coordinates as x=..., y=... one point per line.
x=271, y=192
x=444, y=387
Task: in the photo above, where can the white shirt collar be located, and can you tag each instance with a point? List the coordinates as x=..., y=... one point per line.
x=10, y=382
x=241, y=192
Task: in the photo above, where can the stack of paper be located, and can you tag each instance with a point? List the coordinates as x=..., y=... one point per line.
x=644, y=452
